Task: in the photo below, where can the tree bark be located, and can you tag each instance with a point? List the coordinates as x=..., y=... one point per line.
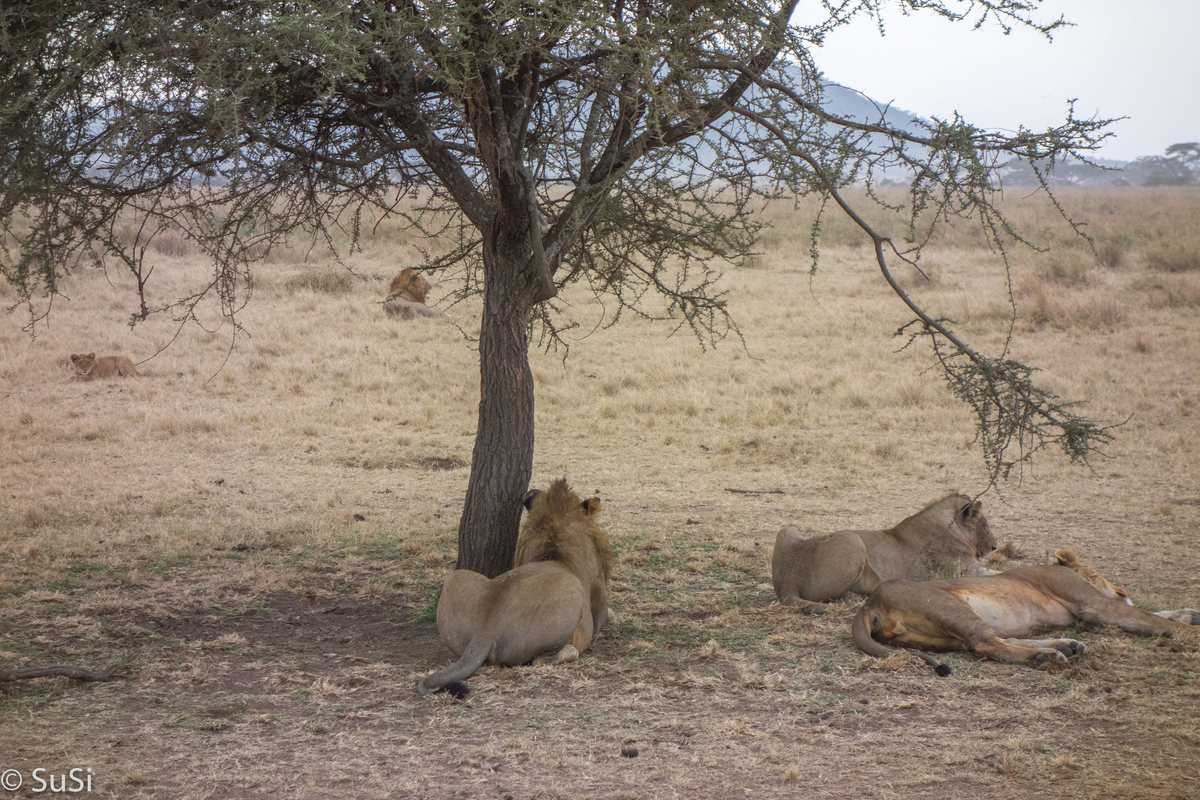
x=502, y=461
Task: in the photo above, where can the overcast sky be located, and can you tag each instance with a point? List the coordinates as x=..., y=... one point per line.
x=1123, y=58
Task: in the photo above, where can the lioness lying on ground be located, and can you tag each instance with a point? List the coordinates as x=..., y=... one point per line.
x=406, y=296
x=546, y=609
x=88, y=367
x=992, y=615
x=947, y=533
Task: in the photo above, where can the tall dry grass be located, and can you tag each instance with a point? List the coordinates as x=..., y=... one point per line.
x=322, y=387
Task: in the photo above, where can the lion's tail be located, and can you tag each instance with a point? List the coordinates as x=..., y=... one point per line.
x=451, y=678
x=860, y=631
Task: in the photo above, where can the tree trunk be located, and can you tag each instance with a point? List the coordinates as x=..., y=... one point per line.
x=502, y=462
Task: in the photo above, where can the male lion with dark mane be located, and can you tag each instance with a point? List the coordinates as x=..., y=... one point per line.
x=546, y=609
x=949, y=533
x=406, y=296
x=994, y=615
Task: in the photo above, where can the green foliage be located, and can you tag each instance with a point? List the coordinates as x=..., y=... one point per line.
x=428, y=614
x=1014, y=418
x=1187, y=152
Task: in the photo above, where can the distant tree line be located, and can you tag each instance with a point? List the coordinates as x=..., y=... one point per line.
x=1178, y=166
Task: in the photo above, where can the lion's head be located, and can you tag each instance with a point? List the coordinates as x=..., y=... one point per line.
x=956, y=527
x=985, y=540
x=411, y=285
x=560, y=526
x=1067, y=558
x=83, y=364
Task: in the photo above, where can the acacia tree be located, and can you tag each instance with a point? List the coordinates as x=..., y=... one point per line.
x=618, y=142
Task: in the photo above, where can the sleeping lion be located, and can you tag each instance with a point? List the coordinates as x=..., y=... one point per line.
x=995, y=616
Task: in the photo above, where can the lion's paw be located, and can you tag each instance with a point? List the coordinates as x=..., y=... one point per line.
x=1071, y=648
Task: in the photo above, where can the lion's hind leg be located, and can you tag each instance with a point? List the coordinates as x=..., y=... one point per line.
x=804, y=606
x=1130, y=619
x=1005, y=650
x=568, y=655
x=1059, y=649
x=1184, y=616
x=581, y=637
x=552, y=658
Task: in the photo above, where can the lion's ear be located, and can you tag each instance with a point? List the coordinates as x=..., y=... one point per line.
x=971, y=510
x=91, y=355
x=529, y=498
x=1066, y=558
x=591, y=506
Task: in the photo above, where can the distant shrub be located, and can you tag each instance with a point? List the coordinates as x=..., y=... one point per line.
x=1039, y=305
x=1112, y=252
x=319, y=280
x=1174, y=255
x=909, y=278
x=1036, y=305
x=1098, y=313
x=909, y=392
x=1171, y=291
x=1064, y=267
x=173, y=244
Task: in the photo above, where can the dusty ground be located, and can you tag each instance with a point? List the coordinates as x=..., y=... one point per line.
x=204, y=534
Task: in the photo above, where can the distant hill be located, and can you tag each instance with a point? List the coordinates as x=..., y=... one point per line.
x=1145, y=171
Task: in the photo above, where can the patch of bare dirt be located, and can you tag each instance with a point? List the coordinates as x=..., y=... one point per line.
x=287, y=697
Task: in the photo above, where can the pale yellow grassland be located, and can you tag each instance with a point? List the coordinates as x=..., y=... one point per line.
x=200, y=525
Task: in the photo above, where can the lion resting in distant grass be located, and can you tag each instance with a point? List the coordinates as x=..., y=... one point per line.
x=949, y=532
x=87, y=367
x=545, y=610
x=406, y=296
x=993, y=615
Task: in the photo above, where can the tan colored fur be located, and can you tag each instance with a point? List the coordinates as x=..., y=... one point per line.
x=994, y=616
x=948, y=533
x=549, y=607
x=1067, y=558
x=88, y=367
x=406, y=296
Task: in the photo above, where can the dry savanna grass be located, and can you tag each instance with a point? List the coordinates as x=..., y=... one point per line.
x=255, y=530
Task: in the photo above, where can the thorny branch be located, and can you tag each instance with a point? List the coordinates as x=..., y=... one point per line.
x=628, y=146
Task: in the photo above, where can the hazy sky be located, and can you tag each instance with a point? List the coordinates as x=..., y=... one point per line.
x=1123, y=58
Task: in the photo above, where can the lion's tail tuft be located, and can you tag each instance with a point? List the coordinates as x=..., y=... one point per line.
x=860, y=632
x=450, y=679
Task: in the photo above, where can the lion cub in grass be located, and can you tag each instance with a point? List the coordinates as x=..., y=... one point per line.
x=88, y=366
